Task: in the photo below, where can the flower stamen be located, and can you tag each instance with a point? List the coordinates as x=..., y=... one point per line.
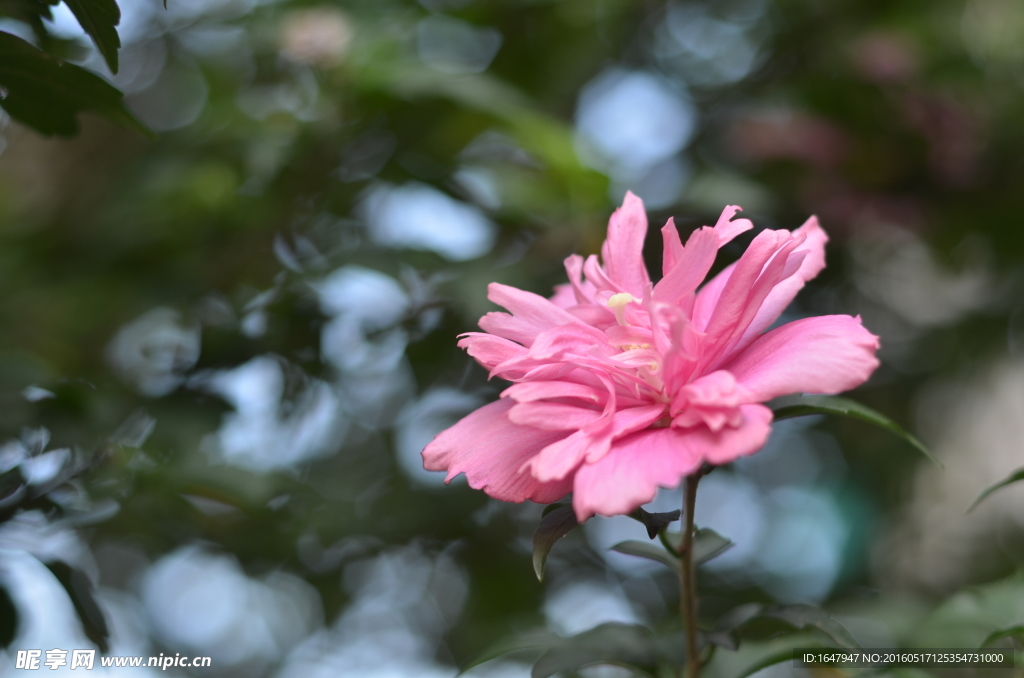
x=617, y=303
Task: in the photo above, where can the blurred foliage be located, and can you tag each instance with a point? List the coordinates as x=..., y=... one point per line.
x=896, y=123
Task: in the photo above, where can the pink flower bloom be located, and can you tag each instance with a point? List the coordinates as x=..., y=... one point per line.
x=621, y=386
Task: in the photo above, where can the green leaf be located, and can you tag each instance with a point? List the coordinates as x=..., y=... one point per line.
x=655, y=522
x=771, y=659
x=31, y=12
x=1002, y=633
x=12, y=489
x=724, y=633
x=644, y=549
x=79, y=589
x=552, y=507
x=802, y=405
x=98, y=18
x=555, y=524
x=47, y=93
x=537, y=641
x=1014, y=477
x=810, y=617
x=626, y=645
x=8, y=618
x=708, y=544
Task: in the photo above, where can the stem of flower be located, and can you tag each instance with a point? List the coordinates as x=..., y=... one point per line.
x=688, y=578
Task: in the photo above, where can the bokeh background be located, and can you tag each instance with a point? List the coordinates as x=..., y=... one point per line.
x=243, y=331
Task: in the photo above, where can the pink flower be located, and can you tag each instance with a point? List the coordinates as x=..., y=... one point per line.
x=621, y=386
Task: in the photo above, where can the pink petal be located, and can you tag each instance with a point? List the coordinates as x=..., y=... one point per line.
x=627, y=335
x=552, y=416
x=690, y=270
x=729, y=444
x=708, y=296
x=637, y=465
x=622, y=252
x=765, y=263
x=583, y=290
x=545, y=390
x=672, y=246
x=632, y=471
x=580, y=385
x=597, y=277
x=566, y=340
x=826, y=354
x=727, y=228
x=559, y=459
x=784, y=292
x=491, y=450
x=564, y=296
x=489, y=350
x=629, y=421
x=531, y=314
x=593, y=315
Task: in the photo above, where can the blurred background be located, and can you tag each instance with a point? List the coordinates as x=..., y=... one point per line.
x=240, y=335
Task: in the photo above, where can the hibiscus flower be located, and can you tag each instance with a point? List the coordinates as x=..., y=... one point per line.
x=621, y=386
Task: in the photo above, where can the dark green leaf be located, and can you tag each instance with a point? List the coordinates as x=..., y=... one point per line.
x=47, y=93
x=1011, y=632
x=724, y=633
x=617, y=644
x=552, y=507
x=555, y=524
x=1014, y=477
x=32, y=12
x=79, y=589
x=12, y=488
x=644, y=549
x=771, y=659
x=8, y=618
x=708, y=544
x=809, y=617
x=98, y=18
x=537, y=641
x=655, y=522
x=802, y=405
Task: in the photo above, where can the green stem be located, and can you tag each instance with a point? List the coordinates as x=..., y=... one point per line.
x=688, y=578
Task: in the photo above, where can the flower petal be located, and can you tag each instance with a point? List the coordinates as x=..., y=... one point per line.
x=766, y=262
x=637, y=465
x=672, y=246
x=632, y=471
x=531, y=314
x=708, y=296
x=489, y=350
x=563, y=296
x=552, y=416
x=729, y=444
x=825, y=354
x=531, y=391
x=622, y=252
x=785, y=291
x=572, y=339
x=728, y=228
x=491, y=451
x=693, y=265
x=560, y=458
x=583, y=289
